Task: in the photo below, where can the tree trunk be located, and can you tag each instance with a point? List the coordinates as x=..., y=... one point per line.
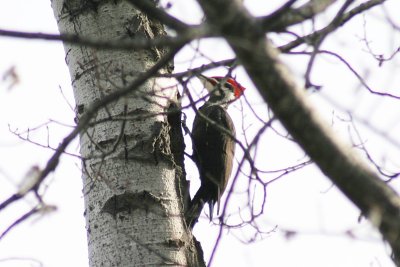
x=133, y=174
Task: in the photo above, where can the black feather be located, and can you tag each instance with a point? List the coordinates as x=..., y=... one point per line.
x=213, y=151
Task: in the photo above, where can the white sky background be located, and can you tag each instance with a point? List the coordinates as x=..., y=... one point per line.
x=303, y=202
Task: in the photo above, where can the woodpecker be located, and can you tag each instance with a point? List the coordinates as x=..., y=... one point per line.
x=213, y=144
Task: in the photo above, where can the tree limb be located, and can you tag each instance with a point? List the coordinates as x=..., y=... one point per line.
x=85, y=119
x=337, y=22
x=150, y=9
x=137, y=43
x=286, y=16
x=288, y=102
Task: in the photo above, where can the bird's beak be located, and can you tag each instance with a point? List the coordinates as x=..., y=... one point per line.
x=208, y=83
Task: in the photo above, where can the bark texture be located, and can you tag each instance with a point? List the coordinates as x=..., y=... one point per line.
x=132, y=174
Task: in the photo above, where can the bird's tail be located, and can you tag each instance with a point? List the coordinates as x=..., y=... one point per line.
x=196, y=206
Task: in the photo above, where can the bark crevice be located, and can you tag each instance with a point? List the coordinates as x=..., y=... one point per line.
x=130, y=202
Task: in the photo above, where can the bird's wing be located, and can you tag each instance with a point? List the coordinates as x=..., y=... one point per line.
x=208, y=137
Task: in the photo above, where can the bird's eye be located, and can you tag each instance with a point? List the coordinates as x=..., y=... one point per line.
x=229, y=86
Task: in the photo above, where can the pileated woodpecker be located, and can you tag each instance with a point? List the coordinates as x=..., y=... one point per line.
x=213, y=144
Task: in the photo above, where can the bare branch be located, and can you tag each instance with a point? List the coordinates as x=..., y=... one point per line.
x=150, y=9
x=137, y=43
x=85, y=119
x=285, y=16
x=352, y=70
x=335, y=24
x=38, y=209
x=288, y=102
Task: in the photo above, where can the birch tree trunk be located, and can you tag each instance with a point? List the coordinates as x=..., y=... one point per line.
x=132, y=181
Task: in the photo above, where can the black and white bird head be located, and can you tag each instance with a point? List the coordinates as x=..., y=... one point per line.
x=223, y=90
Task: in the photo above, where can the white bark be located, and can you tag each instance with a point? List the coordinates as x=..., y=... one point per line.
x=132, y=199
